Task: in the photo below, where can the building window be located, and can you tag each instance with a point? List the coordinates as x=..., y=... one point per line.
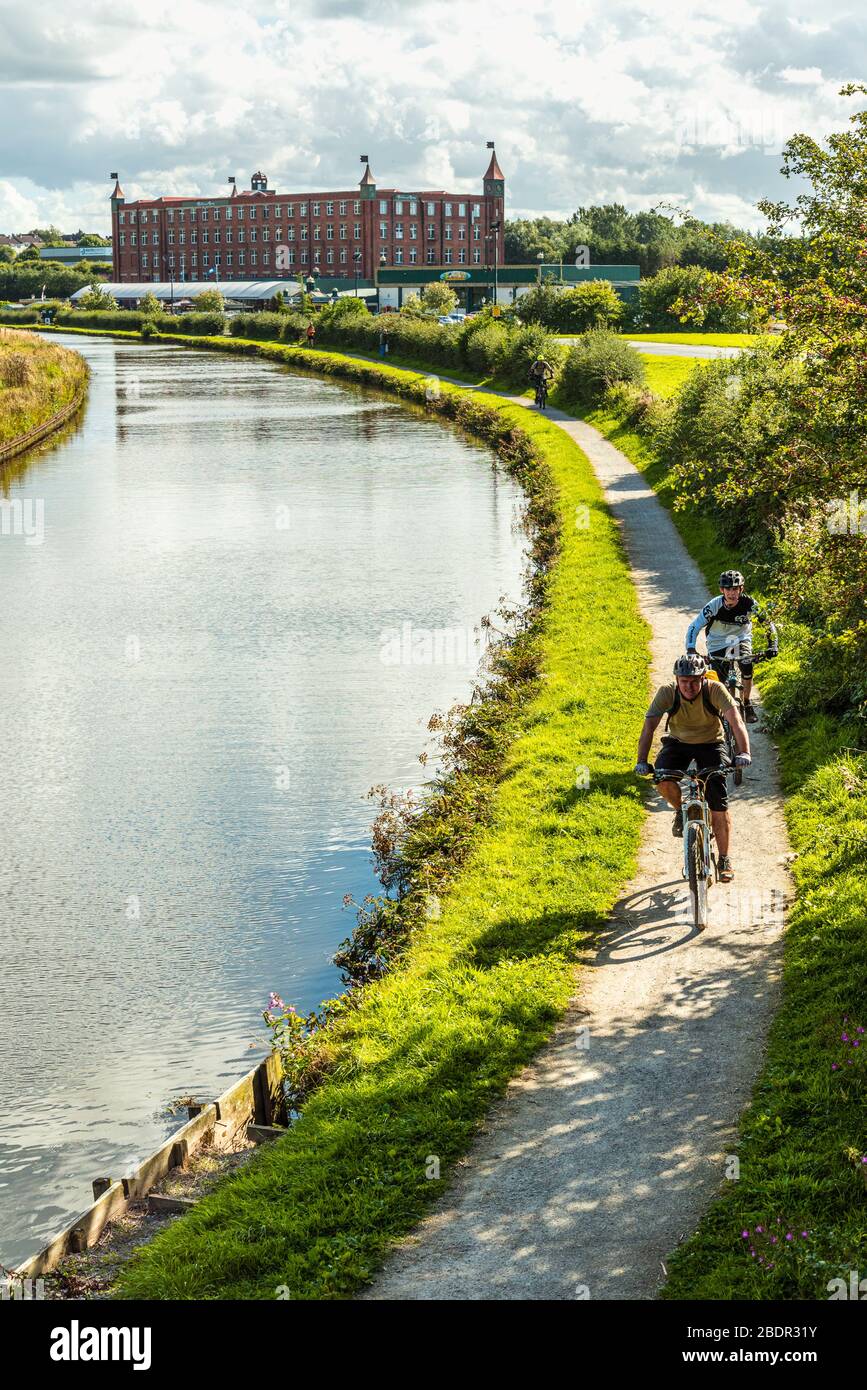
x=316, y=232
x=462, y=256
x=228, y=236
x=398, y=231
x=329, y=231
x=431, y=209
x=343, y=231
x=122, y=218
x=206, y=260
x=398, y=256
x=448, y=209
x=431, y=257
x=289, y=212
x=304, y=255
x=302, y=211
x=398, y=207
x=356, y=231
x=194, y=260
x=228, y=212
x=343, y=255
x=448, y=231
x=477, y=255
x=216, y=236
x=182, y=236
x=242, y=258
x=341, y=208
x=290, y=233
x=316, y=207
x=413, y=208
x=329, y=209
x=266, y=233
x=383, y=206
x=462, y=231
x=266, y=212
x=252, y=214
x=304, y=230
x=477, y=231
x=356, y=207
x=133, y=236
x=431, y=232
x=205, y=236
x=278, y=233
x=477, y=211
x=240, y=214
x=171, y=237
x=329, y=257
x=462, y=209
x=413, y=255
x=254, y=259
x=289, y=253
x=253, y=233
x=266, y=257
x=194, y=236
x=448, y=255
x=204, y=214
x=383, y=230
x=383, y=251
x=228, y=258
x=216, y=214
x=171, y=215
x=144, y=260
x=123, y=238
x=241, y=234
x=413, y=231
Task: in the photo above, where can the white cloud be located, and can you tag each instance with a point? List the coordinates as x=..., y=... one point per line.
x=581, y=102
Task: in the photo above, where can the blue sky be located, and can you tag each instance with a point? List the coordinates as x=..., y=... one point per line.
x=687, y=103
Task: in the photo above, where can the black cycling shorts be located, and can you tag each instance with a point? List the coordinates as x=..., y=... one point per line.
x=721, y=665
x=677, y=756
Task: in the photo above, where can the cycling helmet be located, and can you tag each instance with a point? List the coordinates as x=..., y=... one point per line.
x=731, y=579
x=692, y=664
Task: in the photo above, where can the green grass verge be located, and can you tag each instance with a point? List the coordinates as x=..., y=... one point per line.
x=37, y=380
x=699, y=339
x=418, y=1062
x=805, y=1131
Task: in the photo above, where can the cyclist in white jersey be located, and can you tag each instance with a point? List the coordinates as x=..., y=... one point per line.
x=728, y=628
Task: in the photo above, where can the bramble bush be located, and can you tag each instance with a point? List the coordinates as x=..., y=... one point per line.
x=595, y=364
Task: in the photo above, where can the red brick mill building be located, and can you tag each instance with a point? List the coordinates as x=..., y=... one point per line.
x=260, y=234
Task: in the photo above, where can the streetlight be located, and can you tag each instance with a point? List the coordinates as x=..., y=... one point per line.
x=540, y=256
x=494, y=232
x=356, y=257
x=170, y=262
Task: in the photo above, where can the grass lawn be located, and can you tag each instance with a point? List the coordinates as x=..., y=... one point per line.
x=418, y=1062
x=699, y=339
x=666, y=374
x=804, y=1134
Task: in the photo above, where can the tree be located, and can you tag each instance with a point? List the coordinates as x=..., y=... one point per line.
x=92, y=239
x=210, y=301
x=6, y=253
x=97, y=298
x=149, y=304
x=573, y=309
x=437, y=298
x=684, y=297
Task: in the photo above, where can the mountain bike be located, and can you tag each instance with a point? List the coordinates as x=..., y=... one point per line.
x=734, y=685
x=699, y=860
x=541, y=393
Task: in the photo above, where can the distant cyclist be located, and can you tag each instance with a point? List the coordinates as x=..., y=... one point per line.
x=693, y=708
x=541, y=372
x=728, y=629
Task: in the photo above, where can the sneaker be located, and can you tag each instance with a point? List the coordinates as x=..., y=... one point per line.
x=677, y=824
x=724, y=869
x=749, y=713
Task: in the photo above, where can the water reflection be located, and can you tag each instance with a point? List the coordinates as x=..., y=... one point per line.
x=196, y=703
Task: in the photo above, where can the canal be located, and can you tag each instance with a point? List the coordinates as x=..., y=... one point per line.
x=231, y=600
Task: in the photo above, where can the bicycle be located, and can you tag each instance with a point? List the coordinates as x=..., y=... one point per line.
x=541, y=393
x=734, y=685
x=699, y=861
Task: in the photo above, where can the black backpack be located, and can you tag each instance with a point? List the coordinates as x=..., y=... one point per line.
x=710, y=707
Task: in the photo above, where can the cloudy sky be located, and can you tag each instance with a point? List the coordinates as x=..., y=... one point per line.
x=588, y=102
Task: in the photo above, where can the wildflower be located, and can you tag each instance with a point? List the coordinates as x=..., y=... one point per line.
x=275, y=1002
x=789, y=1236
x=746, y=1234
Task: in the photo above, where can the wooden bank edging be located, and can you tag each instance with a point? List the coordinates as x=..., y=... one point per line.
x=256, y=1100
x=40, y=432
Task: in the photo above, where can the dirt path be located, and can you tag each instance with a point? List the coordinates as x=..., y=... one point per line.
x=598, y=1160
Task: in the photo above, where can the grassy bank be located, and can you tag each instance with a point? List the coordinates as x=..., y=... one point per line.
x=665, y=375
x=804, y=1134
x=37, y=379
x=414, y=1067
x=698, y=339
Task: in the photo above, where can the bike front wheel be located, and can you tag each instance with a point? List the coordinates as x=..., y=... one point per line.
x=698, y=878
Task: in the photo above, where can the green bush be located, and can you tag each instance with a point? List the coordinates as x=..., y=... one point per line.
x=124, y=319
x=206, y=325
x=601, y=360
x=260, y=326
x=574, y=309
x=690, y=297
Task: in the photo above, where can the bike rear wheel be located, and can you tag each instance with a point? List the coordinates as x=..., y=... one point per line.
x=697, y=874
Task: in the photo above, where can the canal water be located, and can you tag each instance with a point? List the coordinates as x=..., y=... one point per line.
x=230, y=602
